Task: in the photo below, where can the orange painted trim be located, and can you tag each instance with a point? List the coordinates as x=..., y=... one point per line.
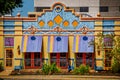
x=100, y=18
x=19, y=18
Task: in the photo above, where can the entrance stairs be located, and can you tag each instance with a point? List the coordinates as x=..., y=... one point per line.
x=5, y=72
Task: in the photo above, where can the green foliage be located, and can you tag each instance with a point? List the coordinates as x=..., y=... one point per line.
x=1, y=67
x=82, y=69
x=46, y=69
x=50, y=69
x=116, y=66
x=54, y=69
x=116, y=49
x=6, y=6
x=37, y=72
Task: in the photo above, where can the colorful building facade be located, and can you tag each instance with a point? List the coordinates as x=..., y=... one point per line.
x=57, y=35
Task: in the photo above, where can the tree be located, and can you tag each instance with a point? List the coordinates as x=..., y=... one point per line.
x=116, y=49
x=116, y=55
x=7, y=6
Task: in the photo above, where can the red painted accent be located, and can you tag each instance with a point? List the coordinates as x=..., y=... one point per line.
x=84, y=58
x=32, y=57
x=93, y=55
x=32, y=60
x=57, y=56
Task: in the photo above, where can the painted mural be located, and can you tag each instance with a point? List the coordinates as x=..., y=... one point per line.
x=56, y=35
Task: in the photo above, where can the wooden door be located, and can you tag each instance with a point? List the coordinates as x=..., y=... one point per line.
x=61, y=59
x=33, y=60
x=9, y=58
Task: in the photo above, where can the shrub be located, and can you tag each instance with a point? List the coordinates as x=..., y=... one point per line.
x=82, y=69
x=116, y=67
x=46, y=69
x=50, y=69
x=54, y=68
x=1, y=67
x=37, y=72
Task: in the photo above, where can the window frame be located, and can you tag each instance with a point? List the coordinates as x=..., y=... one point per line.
x=104, y=9
x=84, y=9
x=10, y=44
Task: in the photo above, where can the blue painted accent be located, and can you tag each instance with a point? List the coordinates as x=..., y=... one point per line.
x=98, y=68
x=71, y=67
x=85, y=38
x=17, y=67
x=58, y=38
x=66, y=16
x=33, y=38
x=9, y=32
x=9, y=25
x=108, y=25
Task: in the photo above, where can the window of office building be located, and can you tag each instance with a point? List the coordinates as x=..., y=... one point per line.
x=40, y=9
x=104, y=9
x=84, y=9
x=119, y=8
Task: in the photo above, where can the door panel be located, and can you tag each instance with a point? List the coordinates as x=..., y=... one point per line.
x=27, y=59
x=85, y=58
x=33, y=60
x=9, y=58
x=61, y=59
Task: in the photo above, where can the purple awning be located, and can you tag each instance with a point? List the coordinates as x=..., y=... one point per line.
x=83, y=44
x=57, y=44
x=31, y=43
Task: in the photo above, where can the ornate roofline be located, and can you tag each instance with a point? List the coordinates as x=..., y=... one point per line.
x=38, y=14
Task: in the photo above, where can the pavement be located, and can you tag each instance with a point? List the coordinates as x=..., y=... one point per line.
x=57, y=77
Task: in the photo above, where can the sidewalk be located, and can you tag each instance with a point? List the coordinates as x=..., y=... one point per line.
x=59, y=77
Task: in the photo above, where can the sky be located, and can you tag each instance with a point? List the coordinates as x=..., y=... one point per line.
x=28, y=6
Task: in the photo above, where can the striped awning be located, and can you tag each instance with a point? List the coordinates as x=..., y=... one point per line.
x=83, y=44
x=57, y=44
x=31, y=43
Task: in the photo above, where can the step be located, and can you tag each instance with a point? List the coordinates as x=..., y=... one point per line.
x=5, y=72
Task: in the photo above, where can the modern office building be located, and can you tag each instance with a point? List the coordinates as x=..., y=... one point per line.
x=57, y=35
x=88, y=8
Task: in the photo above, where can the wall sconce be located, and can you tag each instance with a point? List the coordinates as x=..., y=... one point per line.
x=18, y=49
x=98, y=52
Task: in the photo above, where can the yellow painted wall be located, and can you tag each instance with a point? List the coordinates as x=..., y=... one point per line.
x=17, y=43
x=71, y=53
x=117, y=27
x=1, y=42
x=99, y=61
x=45, y=53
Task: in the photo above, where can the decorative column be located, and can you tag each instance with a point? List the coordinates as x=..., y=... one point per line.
x=71, y=53
x=18, y=55
x=99, y=63
x=46, y=55
x=1, y=43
